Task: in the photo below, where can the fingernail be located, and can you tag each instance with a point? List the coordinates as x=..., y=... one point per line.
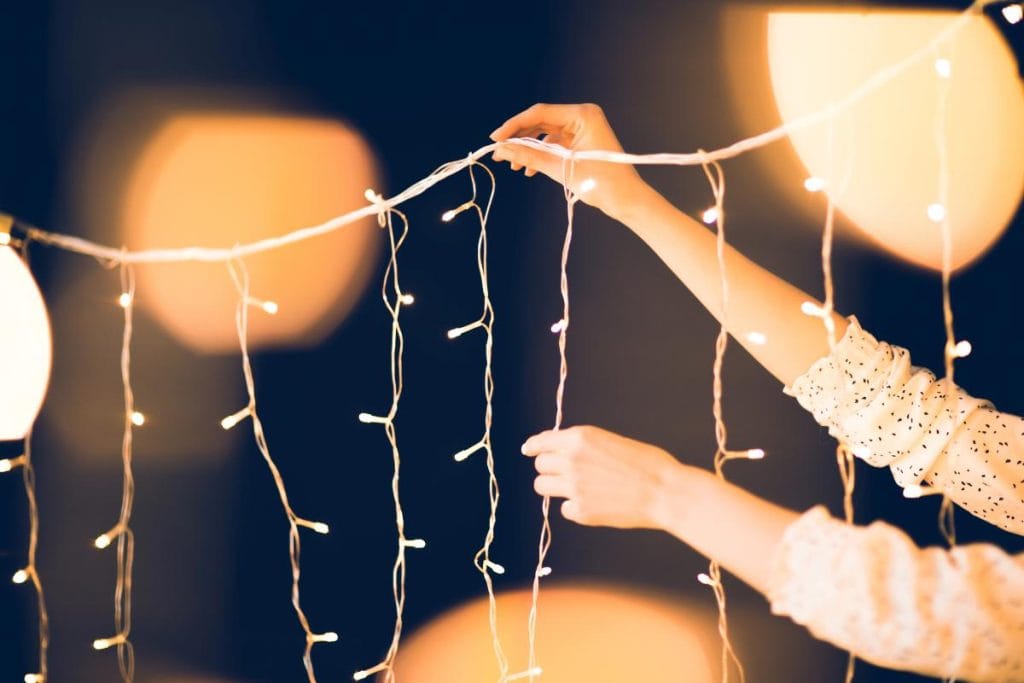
x=522, y=449
x=494, y=133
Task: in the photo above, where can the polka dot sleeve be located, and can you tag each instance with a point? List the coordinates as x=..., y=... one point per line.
x=945, y=613
x=892, y=414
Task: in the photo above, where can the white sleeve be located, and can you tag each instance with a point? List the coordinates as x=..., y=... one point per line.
x=946, y=613
x=892, y=414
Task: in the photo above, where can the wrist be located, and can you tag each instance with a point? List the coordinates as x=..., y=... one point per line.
x=674, y=492
x=631, y=206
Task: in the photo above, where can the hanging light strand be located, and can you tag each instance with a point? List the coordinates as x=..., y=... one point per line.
x=393, y=302
x=482, y=561
x=240, y=277
x=122, y=532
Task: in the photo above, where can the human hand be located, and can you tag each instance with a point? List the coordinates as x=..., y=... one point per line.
x=578, y=127
x=606, y=479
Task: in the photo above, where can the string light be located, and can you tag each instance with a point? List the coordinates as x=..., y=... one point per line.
x=20, y=576
x=943, y=67
x=482, y=560
x=961, y=349
x=716, y=179
x=8, y=464
x=137, y=418
x=936, y=212
x=561, y=328
x=710, y=215
x=240, y=277
x=121, y=531
x=407, y=299
x=385, y=219
x=587, y=185
x=268, y=307
x=757, y=338
x=1013, y=13
x=5, y=238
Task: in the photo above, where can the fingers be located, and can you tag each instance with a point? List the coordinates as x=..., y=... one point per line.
x=571, y=511
x=551, y=463
x=546, y=116
x=552, y=485
x=547, y=441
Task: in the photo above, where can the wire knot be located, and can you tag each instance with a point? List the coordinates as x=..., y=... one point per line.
x=382, y=208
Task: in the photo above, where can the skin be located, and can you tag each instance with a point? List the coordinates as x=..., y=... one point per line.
x=610, y=480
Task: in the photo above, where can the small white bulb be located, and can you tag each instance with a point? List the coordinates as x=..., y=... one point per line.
x=104, y=643
x=270, y=307
x=710, y=215
x=962, y=349
x=913, y=491
x=448, y=215
x=370, y=195
x=943, y=67
x=367, y=418
x=936, y=212
x=20, y=576
x=6, y=465
x=102, y=541
x=814, y=184
x=138, y=419
x=125, y=300
x=329, y=637
x=34, y=678
x=407, y=299
x=705, y=579
x=5, y=239
x=755, y=454
x=417, y=543
x=757, y=338
x=587, y=185
x=544, y=571
x=1013, y=13
x=320, y=528
x=494, y=567
x=231, y=421
x=862, y=452
x=559, y=326
x=812, y=309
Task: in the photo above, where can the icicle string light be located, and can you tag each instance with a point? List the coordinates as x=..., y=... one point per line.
x=240, y=277
x=393, y=302
x=716, y=179
x=483, y=562
x=561, y=328
x=121, y=532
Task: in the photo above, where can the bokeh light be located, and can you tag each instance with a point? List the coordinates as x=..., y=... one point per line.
x=584, y=633
x=218, y=178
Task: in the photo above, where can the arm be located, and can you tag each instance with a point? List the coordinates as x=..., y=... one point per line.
x=759, y=300
x=867, y=589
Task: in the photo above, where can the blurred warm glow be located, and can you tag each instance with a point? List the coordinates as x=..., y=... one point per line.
x=583, y=634
x=887, y=143
x=784, y=63
x=25, y=347
x=217, y=179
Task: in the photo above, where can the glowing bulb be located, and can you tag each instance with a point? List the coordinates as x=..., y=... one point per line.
x=705, y=579
x=757, y=338
x=125, y=300
x=231, y=420
x=544, y=571
x=8, y=464
x=448, y=215
x=417, y=543
x=494, y=567
x=962, y=349
x=329, y=637
x=1013, y=13
x=360, y=675
x=812, y=309
x=104, y=643
x=936, y=212
x=466, y=452
x=34, y=678
x=710, y=215
x=320, y=528
x=367, y=418
x=755, y=454
x=20, y=576
x=943, y=67
x=862, y=452
x=102, y=541
x=270, y=307
x=559, y=326
x=138, y=419
x=913, y=491
x=5, y=239
x=407, y=299
x=587, y=185
x=814, y=184
x=529, y=673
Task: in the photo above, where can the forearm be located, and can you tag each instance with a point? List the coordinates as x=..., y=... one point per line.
x=759, y=301
x=722, y=521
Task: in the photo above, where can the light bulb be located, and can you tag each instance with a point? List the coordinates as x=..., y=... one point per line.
x=814, y=184
x=943, y=67
x=5, y=239
x=329, y=637
x=407, y=299
x=367, y=418
x=25, y=346
x=705, y=579
x=1013, y=13
x=104, y=643
x=962, y=349
x=320, y=528
x=544, y=571
x=559, y=326
x=35, y=678
x=231, y=420
x=710, y=215
x=138, y=419
x=757, y=338
x=20, y=576
x=270, y=307
x=125, y=300
x=102, y=541
x=755, y=453
x=494, y=567
x=862, y=452
x=417, y=543
x=812, y=309
x=8, y=464
x=913, y=491
x=587, y=185
x=936, y=212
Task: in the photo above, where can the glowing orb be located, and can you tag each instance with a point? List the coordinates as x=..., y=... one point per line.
x=218, y=179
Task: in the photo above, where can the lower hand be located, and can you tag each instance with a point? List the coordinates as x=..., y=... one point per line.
x=606, y=479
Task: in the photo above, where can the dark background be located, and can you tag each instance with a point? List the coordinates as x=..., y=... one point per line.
x=425, y=83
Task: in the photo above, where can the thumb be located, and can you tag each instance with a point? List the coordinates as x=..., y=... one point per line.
x=532, y=159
